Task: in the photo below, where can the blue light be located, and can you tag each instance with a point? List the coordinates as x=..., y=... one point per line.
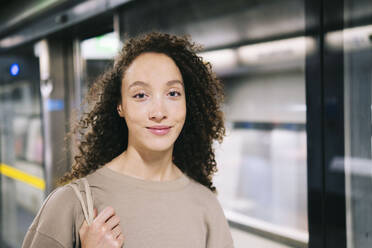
x=14, y=69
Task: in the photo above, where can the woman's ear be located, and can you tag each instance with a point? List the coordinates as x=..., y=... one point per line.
x=120, y=110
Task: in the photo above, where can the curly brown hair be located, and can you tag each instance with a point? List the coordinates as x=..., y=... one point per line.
x=104, y=134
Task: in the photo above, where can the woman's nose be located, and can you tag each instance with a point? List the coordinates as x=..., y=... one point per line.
x=158, y=111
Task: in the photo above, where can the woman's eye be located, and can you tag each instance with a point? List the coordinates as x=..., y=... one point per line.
x=139, y=94
x=173, y=92
x=142, y=95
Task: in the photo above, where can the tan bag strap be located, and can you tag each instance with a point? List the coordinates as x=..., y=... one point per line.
x=88, y=212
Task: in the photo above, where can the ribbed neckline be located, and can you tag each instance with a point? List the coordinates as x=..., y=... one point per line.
x=176, y=184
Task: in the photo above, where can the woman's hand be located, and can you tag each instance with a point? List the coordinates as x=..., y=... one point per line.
x=104, y=232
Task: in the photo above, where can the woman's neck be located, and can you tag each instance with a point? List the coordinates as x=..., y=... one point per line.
x=153, y=166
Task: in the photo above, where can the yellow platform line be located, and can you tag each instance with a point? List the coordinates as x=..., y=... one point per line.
x=19, y=175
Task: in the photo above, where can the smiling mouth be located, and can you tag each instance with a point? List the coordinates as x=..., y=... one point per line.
x=159, y=131
x=159, y=128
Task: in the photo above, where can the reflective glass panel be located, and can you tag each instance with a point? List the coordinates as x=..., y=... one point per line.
x=357, y=48
x=97, y=54
x=262, y=177
x=22, y=176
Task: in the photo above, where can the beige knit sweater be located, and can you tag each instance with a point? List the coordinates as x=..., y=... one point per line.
x=172, y=214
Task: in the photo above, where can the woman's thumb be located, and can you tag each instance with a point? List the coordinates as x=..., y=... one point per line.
x=95, y=212
x=83, y=228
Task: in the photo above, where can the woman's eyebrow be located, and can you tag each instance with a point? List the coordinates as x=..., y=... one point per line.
x=140, y=83
x=169, y=83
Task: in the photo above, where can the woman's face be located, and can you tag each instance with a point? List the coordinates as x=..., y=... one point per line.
x=153, y=102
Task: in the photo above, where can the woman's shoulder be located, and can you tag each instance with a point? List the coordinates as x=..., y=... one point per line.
x=219, y=234
x=61, y=201
x=199, y=188
x=64, y=194
x=54, y=223
x=61, y=193
x=61, y=205
x=203, y=194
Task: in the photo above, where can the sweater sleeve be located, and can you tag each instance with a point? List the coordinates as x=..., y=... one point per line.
x=219, y=235
x=53, y=225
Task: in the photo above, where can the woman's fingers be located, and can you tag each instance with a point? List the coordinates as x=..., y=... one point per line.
x=113, y=221
x=104, y=215
x=83, y=228
x=95, y=213
x=105, y=230
x=116, y=231
x=120, y=239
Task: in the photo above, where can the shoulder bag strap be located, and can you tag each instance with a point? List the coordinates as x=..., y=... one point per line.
x=88, y=213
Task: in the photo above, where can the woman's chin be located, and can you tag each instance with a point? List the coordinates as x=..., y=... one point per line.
x=159, y=146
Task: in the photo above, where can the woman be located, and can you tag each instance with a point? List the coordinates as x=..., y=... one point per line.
x=146, y=151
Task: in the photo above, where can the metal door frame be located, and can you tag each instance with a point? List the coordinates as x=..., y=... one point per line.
x=325, y=126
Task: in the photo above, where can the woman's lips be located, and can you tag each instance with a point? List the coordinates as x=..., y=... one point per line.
x=159, y=131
